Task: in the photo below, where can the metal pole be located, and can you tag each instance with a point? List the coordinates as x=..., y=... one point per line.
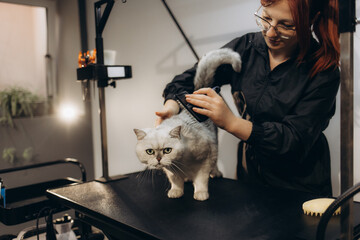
x=347, y=122
x=101, y=87
x=181, y=31
x=83, y=27
x=347, y=22
x=100, y=21
x=104, y=152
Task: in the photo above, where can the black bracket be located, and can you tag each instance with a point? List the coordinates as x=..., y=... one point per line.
x=104, y=72
x=100, y=72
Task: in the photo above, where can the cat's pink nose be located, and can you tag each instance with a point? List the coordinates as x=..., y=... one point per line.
x=158, y=158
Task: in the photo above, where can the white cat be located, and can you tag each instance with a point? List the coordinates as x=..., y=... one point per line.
x=182, y=147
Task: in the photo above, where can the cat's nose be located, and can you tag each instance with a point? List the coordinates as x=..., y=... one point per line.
x=158, y=158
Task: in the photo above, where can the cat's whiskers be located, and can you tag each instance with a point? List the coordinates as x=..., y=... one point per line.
x=143, y=175
x=176, y=168
x=179, y=164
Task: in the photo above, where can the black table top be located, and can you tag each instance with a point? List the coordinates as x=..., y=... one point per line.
x=139, y=206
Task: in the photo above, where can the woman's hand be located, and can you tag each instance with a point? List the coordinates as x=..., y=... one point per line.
x=211, y=105
x=170, y=108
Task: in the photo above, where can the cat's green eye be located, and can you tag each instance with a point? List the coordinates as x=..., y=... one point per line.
x=167, y=150
x=150, y=151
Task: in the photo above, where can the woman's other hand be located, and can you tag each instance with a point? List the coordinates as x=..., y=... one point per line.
x=171, y=107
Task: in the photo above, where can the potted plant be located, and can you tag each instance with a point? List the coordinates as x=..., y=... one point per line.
x=17, y=102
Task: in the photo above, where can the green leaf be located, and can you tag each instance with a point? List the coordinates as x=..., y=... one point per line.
x=28, y=153
x=9, y=154
x=16, y=102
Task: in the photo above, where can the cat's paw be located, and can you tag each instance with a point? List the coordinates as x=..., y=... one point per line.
x=201, y=195
x=215, y=173
x=175, y=193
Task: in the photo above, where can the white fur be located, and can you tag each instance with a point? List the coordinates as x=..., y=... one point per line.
x=211, y=61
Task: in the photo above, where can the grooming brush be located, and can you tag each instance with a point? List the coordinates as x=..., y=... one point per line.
x=181, y=99
x=317, y=207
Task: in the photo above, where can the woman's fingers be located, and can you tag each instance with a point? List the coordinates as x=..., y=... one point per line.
x=202, y=101
x=203, y=98
x=170, y=108
x=207, y=91
x=162, y=115
x=207, y=102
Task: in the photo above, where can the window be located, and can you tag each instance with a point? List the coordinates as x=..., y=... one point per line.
x=25, y=49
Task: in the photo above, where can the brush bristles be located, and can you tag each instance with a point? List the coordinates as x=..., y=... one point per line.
x=184, y=109
x=317, y=207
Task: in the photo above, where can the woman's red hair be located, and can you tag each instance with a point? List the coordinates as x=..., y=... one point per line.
x=322, y=16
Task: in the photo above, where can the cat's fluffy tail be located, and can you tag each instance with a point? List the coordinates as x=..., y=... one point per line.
x=208, y=64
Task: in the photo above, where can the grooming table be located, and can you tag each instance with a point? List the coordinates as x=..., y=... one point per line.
x=137, y=207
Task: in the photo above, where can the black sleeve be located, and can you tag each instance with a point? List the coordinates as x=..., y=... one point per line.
x=296, y=134
x=182, y=82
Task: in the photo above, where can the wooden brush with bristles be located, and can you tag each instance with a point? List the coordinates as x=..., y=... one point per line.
x=317, y=207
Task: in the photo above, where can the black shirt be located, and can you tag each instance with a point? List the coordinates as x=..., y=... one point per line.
x=289, y=111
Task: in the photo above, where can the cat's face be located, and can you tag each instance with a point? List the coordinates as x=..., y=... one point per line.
x=159, y=147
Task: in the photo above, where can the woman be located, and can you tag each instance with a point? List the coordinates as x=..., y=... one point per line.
x=285, y=94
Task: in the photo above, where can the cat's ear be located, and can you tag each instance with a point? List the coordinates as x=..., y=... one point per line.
x=140, y=134
x=175, y=133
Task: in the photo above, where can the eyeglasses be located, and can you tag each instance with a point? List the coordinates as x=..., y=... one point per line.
x=283, y=31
